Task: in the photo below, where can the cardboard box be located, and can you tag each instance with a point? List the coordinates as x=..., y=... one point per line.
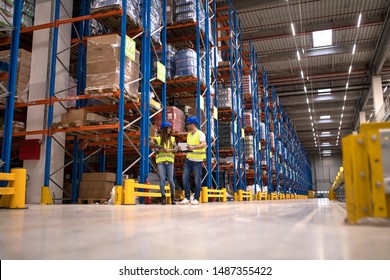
x=99, y=177
x=110, y=39
x=86, y=185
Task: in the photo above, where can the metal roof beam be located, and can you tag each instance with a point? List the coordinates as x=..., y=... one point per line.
x=382, y=49
x=258, y=34
x=314, y=52
x=245, y=4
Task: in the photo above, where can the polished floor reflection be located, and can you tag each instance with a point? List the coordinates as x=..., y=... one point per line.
x=287, y=229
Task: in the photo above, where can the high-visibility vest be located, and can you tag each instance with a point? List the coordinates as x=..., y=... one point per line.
x=199, y=154
x=165, y=156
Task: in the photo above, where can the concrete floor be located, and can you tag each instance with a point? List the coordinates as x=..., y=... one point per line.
x=289, y=229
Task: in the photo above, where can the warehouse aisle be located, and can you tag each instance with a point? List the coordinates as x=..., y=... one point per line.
x=287, y=229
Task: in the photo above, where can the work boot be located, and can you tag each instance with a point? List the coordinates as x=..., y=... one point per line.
x=163, y=200
x=173, y=201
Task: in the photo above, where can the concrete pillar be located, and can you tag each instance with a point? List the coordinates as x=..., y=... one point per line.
x=362, y=117
x=377, y=93
x=39, y=83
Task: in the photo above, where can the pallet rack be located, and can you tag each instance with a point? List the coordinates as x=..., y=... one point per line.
x=292, y=173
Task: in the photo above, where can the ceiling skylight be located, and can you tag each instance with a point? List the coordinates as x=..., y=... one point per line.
x=322, y=38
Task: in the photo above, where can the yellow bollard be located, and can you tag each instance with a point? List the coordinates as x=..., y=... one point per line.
x=129, y=192
x=205, y=195
x=118, y=199
x=240, y=198
x=46, y=196
x=224, y=195
x=19, y=198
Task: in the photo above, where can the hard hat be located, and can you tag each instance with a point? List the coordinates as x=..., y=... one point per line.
x=165, y=124
x=192, y=119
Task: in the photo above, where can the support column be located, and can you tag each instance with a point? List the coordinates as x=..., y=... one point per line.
x=362, y=117
x=39, y=79
x=377, y=93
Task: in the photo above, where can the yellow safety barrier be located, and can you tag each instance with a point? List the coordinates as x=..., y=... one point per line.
x=273, y=196
x=339, y=180
x=212, y=193
x=244, y=195
x=14, y=195
x=130, y=192
x=261, y=196
x=288, y=196
x=367, y=172
x=310, y=194
x=281, y=196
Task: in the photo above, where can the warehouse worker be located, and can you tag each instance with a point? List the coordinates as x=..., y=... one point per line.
x=196, y=145
x=165, y=159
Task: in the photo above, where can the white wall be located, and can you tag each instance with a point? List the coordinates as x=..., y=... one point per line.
x=324, y=171
x=38, y=84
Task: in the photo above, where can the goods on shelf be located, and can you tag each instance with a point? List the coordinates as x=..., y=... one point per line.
x=81, y=117
x=262, y=131
x=249, y=146
x=170, y=11
x=225, y=134
x=186, y=63
x=272, y=140
x=170, y=65
x=96, y=185
x=248, y=119
x=225, y=98
x=246, y=85
x=133, y=8
x=175, y=116
x=103, y=62
x=7, y=11
x=23, y=73
x=72, y=91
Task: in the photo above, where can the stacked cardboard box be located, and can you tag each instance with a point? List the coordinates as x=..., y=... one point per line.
x=247, y=119
x=246, y=84
x=225, y=98
x=81, y=117
x=23, y=72
x=96, y=185
x=103, y=65
x=171, y=5
x=175, y=116
x=249, y=146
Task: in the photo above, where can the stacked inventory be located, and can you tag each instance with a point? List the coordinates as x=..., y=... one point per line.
x=247, y=86
x=156, y=21
x=96, y=185
x=173, y=115
x=225, y=134
x=225, y=98
x=248, y=119
x=249, y=146
x=133, y=8
x=23, y=73
x=170, y=64
x=186, y=63
x=7, y=10
x=103, y=66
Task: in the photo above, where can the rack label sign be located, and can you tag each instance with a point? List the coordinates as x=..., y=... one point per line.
x=215, y=111
x=130, y=48
x=161, y=71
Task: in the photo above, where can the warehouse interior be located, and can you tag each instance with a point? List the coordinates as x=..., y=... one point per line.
x=292, y=96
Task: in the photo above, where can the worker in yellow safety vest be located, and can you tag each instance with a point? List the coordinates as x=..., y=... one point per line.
x=166, y=147
x=196, y=145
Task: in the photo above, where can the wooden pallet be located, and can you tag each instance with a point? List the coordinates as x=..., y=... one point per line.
x=92, y=201
x=108, y=92
x=114, y=22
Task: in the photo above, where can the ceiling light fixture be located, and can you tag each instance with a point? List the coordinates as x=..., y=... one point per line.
x=325, y=132
x=325, y=117
x=359, y=20
x=354, y=49
x=299, y=57
x=303, y=76
x=292, y=28
x=347, y=85
x=350, y=69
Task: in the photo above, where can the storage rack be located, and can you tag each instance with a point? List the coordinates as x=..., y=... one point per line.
x=292, y=172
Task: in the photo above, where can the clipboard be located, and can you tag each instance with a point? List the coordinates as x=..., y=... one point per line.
x=183, y=147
